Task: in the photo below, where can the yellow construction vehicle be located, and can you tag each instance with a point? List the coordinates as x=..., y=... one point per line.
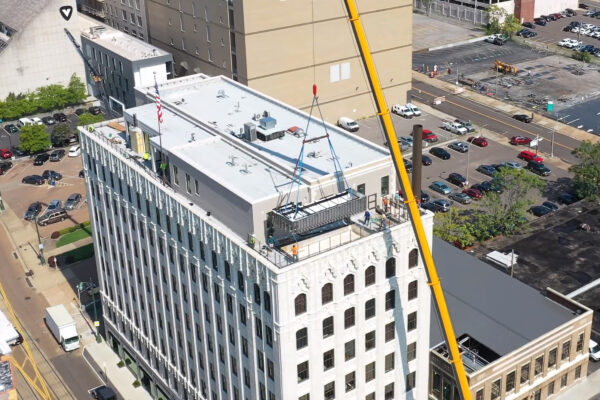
x=413, y=208
x=505, y=68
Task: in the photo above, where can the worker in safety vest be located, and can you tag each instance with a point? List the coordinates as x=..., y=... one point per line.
x=295, y=251
x=386, y=203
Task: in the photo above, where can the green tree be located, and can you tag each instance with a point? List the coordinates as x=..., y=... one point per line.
x=511, y=25
x=76, y=90
x=60, y=134
x=454, y=227
x=587, y=171
x=582, y=56
x=34, y=138
x=496, y=18
x=88, y=119
x=505, y=213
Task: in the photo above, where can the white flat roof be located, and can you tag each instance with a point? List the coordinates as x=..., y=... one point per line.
x=203, y=118
x=122, y=44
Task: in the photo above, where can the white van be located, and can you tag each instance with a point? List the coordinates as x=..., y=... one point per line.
x=415, y=110
x=402, y=111
x=24, y=121
x=348, y=124
x=594, y=351
x=36, y=121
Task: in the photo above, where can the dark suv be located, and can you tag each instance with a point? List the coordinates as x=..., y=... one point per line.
x=458, y=179
x=53, y=217
x=40, y=159
x=33, y=211
x=34, y=180
x=439, y=152
x=60, y=117
x=538, y=168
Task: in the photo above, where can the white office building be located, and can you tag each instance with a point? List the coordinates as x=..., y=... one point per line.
x=226, y=274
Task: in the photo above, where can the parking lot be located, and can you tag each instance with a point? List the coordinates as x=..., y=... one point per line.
x=19, y=195
x=498, y=151
x=553, y=32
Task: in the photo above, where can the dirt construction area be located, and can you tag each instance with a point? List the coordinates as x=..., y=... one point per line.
x=19, y=195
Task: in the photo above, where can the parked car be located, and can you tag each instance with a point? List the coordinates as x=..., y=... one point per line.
x=568, y=198
x=72, y=201
x=74, y=151
x=570, y=12
x=103, y=393
x=540, y=21
x=550, y=205
x=594, y=349
x=55, y=205
x=40, y=159
x=478, y=141
x=458, y=179
x=528, y=25
x=48, y=120
x=440, y=187
x=50, y=174
x=60, y=117
x=583, y=6
x=348, y=124
x=11, y=128
x=538, y=168
x=539, y=211
x=425, y=160
x=520, y=140
x=402, y=111
x=429, y=136
x=5, y=166
x=18, y=152
x=406, y=141
x=415, y=110
x=588, y=49
x=408, y=165
x=53, y=217
x=488, y=170
x=33, y=211
x=529, y=155
x=511, y=165
x=461, y=147
x=529, y=34
x=33, y=180
x=57, y=155
x=438, y=205
x=440, y=153
x=79, y=111
x=462, y=198
x=6, y=153
x=36, y=121
x=523, y=118
x=473, y=193
x=95, y=110
x=558, y=15
x=468, y=125
x=454, y=127
x=424, y=196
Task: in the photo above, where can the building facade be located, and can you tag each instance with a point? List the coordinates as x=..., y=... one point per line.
x=31, y=37
x=124, y=62
x=128, y=16
x=204, y=296
x=284, y=57
x=527, y=346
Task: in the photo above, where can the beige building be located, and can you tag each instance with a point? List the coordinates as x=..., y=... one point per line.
x=516, y=343
x=282, y=47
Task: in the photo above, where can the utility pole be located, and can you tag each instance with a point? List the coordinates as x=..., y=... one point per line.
x=552, y=142
x=40, y=244
x=468, y=158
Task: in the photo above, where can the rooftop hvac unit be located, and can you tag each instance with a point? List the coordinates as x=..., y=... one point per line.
x=250, y=131
x=266, y=137
x=268, y=122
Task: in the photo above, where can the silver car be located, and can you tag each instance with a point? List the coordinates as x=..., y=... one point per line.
x=72, y=201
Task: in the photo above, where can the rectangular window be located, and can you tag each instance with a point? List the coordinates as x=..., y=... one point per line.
x=334, y=73
x=370, y=340
x=188, y=183
x=552, y=357
x=579, y=346
x=328, y=327
x=349, y=350
x=411, y=351
x=370, y=372
x=390, y=300
x=388, y=391
x=370, y=308
x=550, y=388
x=563, y=380
x=196, y=186
x=385, y=185
x=496, y=385
x=349, y=318
x=328, y=360
x=510, y=381
x=389, y=362
x=578, y=372
x=302, y=371
x=329, y=391
x=350, y=381
x=539, y=366
x=411, y=321
x=566, y=350
x=390, y=332
x=525, y=373
x=301, y=338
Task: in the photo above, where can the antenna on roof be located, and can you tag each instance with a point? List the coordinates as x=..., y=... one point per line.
x=237, y=106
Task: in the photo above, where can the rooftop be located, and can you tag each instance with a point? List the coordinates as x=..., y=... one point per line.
x=204, y=124
x=15, y=15
x=497, y=313
x=122, y=44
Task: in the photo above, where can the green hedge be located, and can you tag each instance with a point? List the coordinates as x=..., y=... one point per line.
x=43, y=99
x=73, y=228
x=79, y=254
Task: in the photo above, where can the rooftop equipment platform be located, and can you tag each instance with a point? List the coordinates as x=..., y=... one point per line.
x=299, y=218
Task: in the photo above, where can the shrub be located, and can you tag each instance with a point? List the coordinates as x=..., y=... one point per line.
x=120, y=364
x=582, y=56
x=55, y=235
x=136, y=383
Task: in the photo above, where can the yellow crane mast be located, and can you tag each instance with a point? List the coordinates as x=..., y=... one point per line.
x=413, y=208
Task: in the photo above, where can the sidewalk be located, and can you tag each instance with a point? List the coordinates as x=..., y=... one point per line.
x=54, y=285
x=584, y=390
x=104, y=361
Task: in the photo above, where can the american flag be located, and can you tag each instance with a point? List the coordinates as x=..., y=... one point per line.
x=158, y=105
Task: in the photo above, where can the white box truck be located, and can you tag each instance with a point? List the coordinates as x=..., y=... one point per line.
x=9, y=336
x=63, y=327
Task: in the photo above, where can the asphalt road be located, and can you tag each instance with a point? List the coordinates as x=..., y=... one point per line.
x=495, y=120
x=30, y=307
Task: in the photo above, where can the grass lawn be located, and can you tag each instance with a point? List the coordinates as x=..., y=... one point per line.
x=74, y=236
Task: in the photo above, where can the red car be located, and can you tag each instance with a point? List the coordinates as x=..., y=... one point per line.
x=478, y=141
x=528, y=155
x=520, y=140
x=6, y=153
x=429, y=136
x=473, y=193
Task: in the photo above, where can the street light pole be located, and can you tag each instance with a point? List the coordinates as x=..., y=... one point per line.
x=40, y=244
x=552, y=143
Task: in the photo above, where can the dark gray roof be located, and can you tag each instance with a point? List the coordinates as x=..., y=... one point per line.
x=493, y=308
x=18, y=13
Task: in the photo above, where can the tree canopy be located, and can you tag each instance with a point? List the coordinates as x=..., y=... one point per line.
x=587, y=171
x=88, y=119
x=500, y=21
x=60, y=134
x=34, y=138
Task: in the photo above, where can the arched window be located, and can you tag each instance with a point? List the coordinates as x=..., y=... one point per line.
x=413, y=290
x=300, y=304
x=349, y=284
x=326, y=293
x=257, y=294
x=370, y=275
x=267, y=301
x=413, y=258
x=390, y=267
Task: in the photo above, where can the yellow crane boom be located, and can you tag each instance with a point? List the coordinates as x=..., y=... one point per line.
x=413, y=208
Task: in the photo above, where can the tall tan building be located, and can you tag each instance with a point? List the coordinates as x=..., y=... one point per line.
x=282, y=47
